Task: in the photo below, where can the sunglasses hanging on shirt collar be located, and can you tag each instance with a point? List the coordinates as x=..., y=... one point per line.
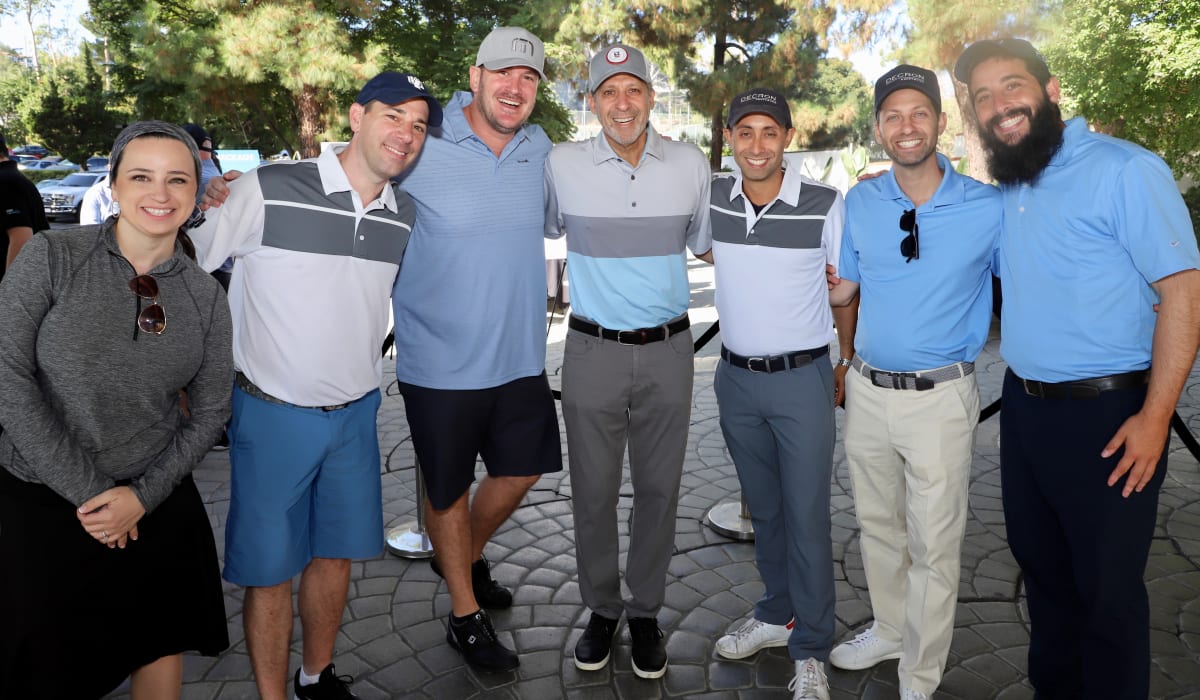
x=910, y=247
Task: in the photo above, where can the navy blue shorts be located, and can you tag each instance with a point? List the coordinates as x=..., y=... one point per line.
x=305, y=483
x=514, y=427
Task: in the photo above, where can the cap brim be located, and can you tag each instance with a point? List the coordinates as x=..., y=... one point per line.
x=513, y=63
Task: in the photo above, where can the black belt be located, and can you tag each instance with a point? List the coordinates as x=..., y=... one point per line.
x=1085, y=388
x=773, y=363
x=252, y=389
x=637, y=336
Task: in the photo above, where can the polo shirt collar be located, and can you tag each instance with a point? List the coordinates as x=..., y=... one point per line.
x=789, y=189
x=952, y=190
x=333, y=179
x=1074, y=132
x=602, y=151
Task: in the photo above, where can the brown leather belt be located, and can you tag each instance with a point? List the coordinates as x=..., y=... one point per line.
x=243, y=382
x=1085, y=388
x=637, y=336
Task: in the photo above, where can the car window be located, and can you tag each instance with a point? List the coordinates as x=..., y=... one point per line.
x=81, y=179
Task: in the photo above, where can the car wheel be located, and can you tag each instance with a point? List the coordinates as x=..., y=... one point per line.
x=78, y=212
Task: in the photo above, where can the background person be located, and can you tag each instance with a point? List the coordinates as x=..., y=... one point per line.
x=111, y=563
x=21, y=210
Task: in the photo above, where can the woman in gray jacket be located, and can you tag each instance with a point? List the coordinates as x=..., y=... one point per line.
x=108, y=567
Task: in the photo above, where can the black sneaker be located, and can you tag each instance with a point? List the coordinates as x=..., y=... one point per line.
x=222, y=443
x=593, y=648
x=488, y=592
x=476, y=640
x=649, y=651
x=330, y=686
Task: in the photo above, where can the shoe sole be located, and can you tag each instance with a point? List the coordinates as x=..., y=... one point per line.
x=865, y=666
x=752, y=652
x=649, y=675
x=585, y=666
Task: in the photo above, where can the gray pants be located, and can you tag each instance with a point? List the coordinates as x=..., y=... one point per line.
x=614, y=394
x=779, y=430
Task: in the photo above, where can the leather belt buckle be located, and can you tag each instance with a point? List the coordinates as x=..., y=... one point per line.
x=765, y=361
x=635, y=337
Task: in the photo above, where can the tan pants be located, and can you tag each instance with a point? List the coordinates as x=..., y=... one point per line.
x=909, y=454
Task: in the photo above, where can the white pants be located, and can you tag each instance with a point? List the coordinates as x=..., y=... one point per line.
x=909, y=454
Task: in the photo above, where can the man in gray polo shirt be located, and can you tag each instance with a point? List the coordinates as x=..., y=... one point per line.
x=774, y=231
x=631, y=203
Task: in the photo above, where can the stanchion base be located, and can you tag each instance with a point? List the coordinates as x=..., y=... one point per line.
x=726, y=519
x=409, y=542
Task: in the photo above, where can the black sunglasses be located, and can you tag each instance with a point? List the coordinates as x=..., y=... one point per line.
x=151, y=319
x=910, y=247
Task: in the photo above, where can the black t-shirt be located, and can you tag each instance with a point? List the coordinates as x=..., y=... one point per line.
x=20, y=205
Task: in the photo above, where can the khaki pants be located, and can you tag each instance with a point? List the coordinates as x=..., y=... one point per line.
x=909, y=454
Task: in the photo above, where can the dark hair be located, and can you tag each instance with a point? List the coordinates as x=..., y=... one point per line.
x=154, y=128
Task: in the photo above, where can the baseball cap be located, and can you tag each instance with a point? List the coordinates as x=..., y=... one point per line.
x=392, y=88
x=1009, y=47
x=615, y=59
x=199, y=135
x=905, y=76
x=760, y=101
x=506, y=47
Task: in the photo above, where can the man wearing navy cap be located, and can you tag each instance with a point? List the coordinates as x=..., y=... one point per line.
x=631, y=204
x=774, y=231
x=1095, y=235
x=318, y=244
x=918, y=247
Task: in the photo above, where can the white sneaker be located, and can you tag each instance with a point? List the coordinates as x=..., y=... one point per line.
x=810, y=682
x=753, y=636
x=909, y=694
x=864, y=651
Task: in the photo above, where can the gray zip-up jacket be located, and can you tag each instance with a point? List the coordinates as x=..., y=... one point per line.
x=87, y=399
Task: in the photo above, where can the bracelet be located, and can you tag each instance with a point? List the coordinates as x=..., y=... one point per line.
x=843, y=362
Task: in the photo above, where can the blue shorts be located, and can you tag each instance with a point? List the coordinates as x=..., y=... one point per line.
x=305, y=484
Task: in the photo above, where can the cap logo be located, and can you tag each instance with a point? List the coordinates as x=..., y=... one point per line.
x=759, y=97
x=914, y=77
x=416, y=82
x=523, y=47
x=616, y=55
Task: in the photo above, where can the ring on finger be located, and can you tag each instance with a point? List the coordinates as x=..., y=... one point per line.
x=104, y=535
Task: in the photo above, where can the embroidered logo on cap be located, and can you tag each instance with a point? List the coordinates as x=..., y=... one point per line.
x=416, y=82
x=617, y=55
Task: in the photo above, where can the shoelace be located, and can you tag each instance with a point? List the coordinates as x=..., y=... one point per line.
x=748, y=629
x=808, y=680
x=647, y=632
x=864, y=639
x=486, y=623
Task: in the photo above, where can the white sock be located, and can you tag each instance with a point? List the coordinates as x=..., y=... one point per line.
x=306, y=679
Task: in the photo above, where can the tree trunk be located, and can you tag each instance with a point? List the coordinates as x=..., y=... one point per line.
x=309, y=109
x=33, y=51
x=717, y=138
x=975, y=154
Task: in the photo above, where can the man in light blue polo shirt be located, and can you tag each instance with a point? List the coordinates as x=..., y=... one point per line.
x=470, y=328
x=919, y=247
x=630, y=203
x=774, y=231
x=1095, y=234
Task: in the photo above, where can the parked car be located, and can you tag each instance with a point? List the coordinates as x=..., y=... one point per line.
x=32, y=150
x=49, y=182
x=65, y=166
x=65, y=199
x=96, y=164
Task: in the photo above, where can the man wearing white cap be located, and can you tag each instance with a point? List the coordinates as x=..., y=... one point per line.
x=471, y=356
x=630, y=203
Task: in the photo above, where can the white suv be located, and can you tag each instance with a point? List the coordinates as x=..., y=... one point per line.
x=66, y=198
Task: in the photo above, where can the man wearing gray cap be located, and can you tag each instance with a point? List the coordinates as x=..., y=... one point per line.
x=774, y=231
x=471, y=355
x=318, y=244
x=919, y=246
x=631, y=204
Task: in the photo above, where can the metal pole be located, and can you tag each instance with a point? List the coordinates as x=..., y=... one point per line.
x=731, y=519
x=410, y=540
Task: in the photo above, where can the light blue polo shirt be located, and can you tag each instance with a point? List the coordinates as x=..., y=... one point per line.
x=627, y=227
x=935, y=310
x=469, y=302
x=1079, y=251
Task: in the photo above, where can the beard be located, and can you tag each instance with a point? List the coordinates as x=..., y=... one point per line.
x=1024, y=161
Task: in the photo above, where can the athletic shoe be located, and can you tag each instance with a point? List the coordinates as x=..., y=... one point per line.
x=329, y=686
x=810, y=682
x=222, y=442
x=910, y=694
x=649, y=651
x=864, y=651
x=752, y=637
x=476, y=640
x=593, y=648
x=488, y=593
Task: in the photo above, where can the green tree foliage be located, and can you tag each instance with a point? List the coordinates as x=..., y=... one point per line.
x=17, y=84
x=1132, y=67
x=834, y=109
x=74, y=118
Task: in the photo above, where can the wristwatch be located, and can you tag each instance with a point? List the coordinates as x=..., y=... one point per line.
x=843, y=362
